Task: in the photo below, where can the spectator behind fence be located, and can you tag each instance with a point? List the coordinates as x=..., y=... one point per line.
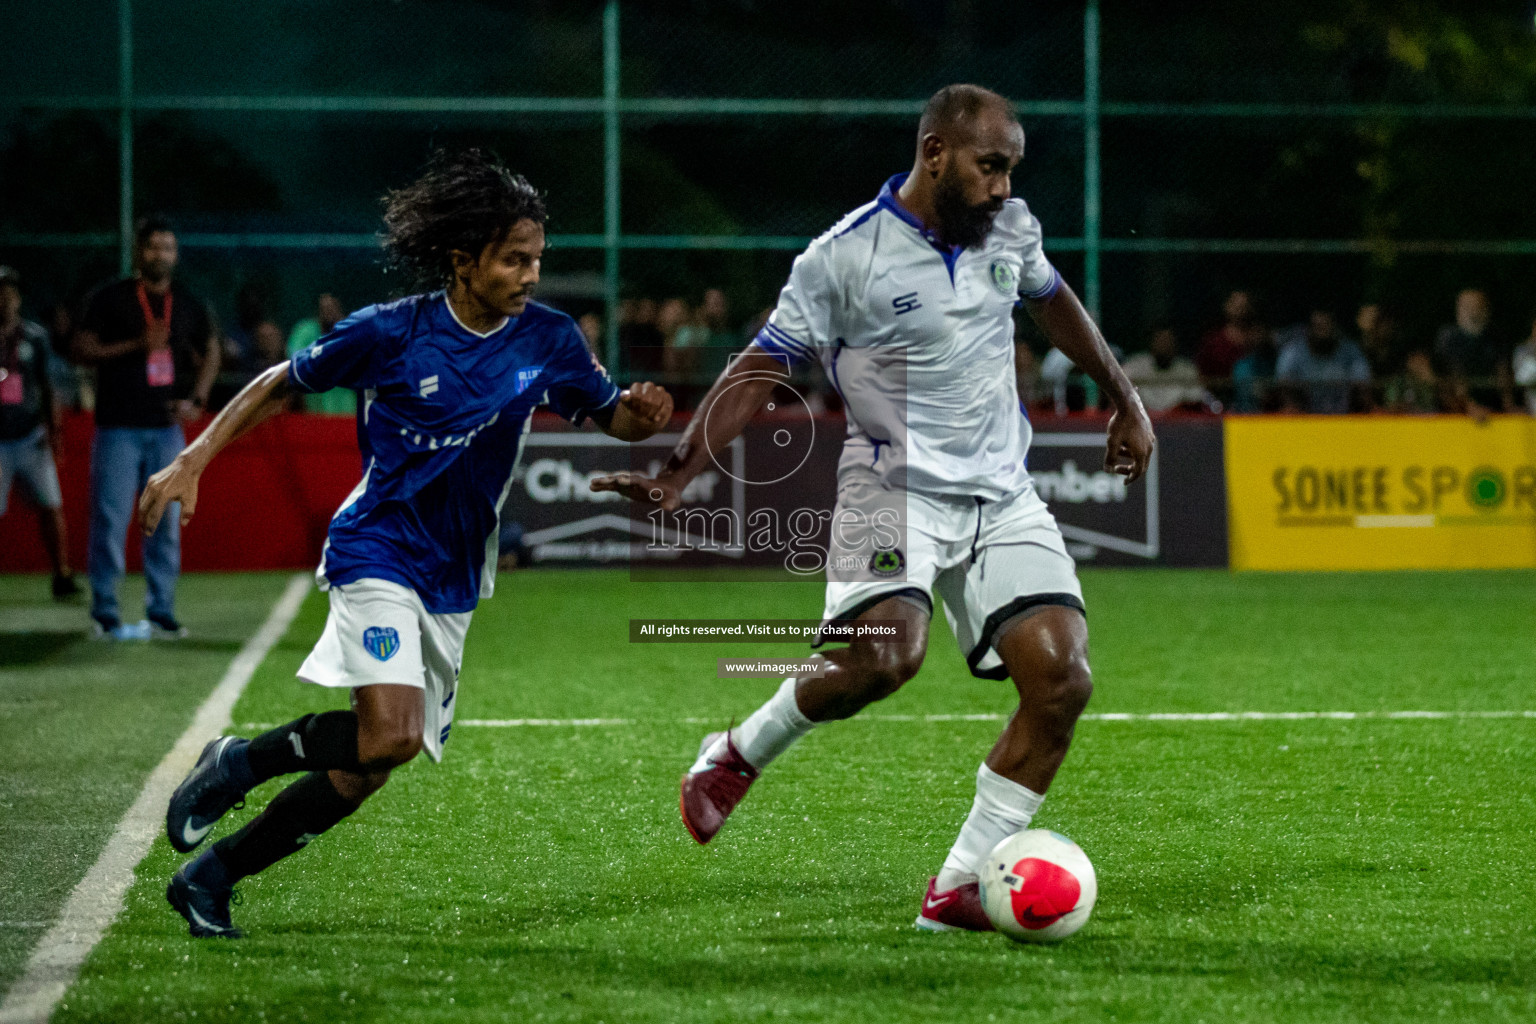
x=306, y=332
x=1525, y=368
x=1223, y=346
x=29, y=427
x=672, y=316
x=1415, y=390
x=267, y=348
x=251, y=315
x=1402, y=377
x=1253, y=378
x=701, y=346
x=638, y=336
x=1472, y=368
x=710, y=325
x=156, y=356
x=591, y=327
x=1321, y=371
x=1165, y=379
x=1072, y=390
x=69, y=392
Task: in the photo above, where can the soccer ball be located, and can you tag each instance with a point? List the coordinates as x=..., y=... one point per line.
x=1038, y=886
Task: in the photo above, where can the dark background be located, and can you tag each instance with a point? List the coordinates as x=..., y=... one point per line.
x=1380, y=175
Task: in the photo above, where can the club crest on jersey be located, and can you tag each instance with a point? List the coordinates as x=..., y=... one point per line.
x=1004, y=277
x=887, y=563
x=381, y=641
x=527, y=377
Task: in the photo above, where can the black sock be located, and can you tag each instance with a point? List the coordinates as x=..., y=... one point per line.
x=294, y=817
x=314, y=743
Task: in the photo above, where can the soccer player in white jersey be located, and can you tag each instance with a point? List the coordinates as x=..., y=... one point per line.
x=907, y=304
x=448, y=381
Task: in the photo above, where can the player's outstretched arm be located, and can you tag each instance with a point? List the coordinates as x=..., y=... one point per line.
x=261, y=398
x=1068, y=326
x=642, y=410
x=736, y=396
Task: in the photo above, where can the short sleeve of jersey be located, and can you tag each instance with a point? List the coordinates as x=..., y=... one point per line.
x=581, y=387
x=1038, y=279
x=345, y=358
x=801, y=323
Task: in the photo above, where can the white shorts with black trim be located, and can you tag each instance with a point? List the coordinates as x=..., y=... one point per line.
x=988, y=560
x=380, y=632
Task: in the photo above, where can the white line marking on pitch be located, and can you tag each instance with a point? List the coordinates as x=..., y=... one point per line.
x=98, y=899
x=1175, y=716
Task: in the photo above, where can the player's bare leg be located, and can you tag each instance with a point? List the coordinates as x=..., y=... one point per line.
x=1045, y=650
x=857, y=675
x=385, y=727
x=1046, y=654
x=389, y=724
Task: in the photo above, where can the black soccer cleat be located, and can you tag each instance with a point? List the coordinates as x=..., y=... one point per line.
x=203, y=796
x=206, y=910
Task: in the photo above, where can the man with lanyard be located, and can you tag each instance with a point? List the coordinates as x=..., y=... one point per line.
x=156, y=357
x=29, y=427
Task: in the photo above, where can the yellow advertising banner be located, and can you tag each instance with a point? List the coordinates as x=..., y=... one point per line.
x=1381, y=492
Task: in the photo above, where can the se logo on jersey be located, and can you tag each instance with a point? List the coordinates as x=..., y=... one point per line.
x=381, y=641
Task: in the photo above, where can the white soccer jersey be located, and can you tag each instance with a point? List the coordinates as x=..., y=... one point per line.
x=917, y=337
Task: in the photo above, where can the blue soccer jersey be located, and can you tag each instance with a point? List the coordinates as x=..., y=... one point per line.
x=441, y=425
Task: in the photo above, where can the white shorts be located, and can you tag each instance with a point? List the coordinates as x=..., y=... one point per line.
x=379, y=632
x=988, y=560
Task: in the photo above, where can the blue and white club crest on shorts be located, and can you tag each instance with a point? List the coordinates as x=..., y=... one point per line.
x=381, y=641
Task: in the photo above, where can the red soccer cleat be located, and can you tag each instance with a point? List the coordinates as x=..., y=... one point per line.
x=959, y=907
x=708, y=797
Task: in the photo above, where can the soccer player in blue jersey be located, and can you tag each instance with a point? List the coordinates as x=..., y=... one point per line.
x=448, y=381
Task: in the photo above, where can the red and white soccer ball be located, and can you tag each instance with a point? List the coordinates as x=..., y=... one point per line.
x=1038, y=886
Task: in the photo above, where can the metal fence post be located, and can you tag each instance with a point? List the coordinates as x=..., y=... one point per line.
x=611, y=182
x=1091, y=290
x=125, y=136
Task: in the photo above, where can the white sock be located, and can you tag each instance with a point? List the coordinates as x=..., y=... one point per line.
x=767, y=732
x=1002, y=807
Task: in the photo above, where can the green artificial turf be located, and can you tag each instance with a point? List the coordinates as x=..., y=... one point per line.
x=1335, y=870
x=82, y=724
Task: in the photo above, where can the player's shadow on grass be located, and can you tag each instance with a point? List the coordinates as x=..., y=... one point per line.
x=811, y=965
x=206, y=644
x=34, y=648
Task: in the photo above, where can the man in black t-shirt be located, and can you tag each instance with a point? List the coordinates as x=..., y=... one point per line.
x=29, y=427
x=1472, y=364
x=156, y=356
